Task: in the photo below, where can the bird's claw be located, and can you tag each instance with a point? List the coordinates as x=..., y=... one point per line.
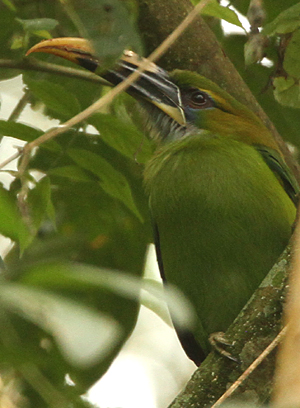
x=218, y=340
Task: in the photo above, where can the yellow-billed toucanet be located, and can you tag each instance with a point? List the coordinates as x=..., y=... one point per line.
x=221, y=197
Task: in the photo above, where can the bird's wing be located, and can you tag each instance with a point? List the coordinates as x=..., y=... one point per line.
x=282, y=171
x=186, y=337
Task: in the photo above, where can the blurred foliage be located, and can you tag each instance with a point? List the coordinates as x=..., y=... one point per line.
x=86, y=211
x=108, y=24
x=86, y=219
x=214, y=9
x=276, y=79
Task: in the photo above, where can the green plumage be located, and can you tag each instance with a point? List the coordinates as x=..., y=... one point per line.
x=222, y=201
x=222, y=218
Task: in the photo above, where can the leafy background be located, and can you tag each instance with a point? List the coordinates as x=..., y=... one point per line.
x=70, y=283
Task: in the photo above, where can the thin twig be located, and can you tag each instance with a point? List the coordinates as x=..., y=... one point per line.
x=251, y=368
x=19, y=107
x=30, y=64
x=10, y=159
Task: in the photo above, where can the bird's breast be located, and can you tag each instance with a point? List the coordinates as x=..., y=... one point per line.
x=222, y=218
x=223, y=176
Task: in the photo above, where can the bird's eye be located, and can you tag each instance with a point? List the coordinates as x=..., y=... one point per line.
x=197, y=99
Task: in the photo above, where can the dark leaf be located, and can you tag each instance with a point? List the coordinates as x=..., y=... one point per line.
x=112, y=181
x=61, y=103
x=122, y=136
x=11, y=223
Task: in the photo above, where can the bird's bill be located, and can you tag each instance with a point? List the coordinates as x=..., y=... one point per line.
x=153, y=85
x=72, y=49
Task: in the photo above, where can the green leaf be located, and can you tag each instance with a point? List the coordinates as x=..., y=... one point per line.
x=287, y=92
x=291, y=62
x=39, y=200
x=122, y=136
x=11, y=222
x=37, y=24
x=26, y=133
x=112, y=181
x=152, y=293
x=286, y=22
x=214, y=9
x=43, y=34
x=74, y=276
x=83, y=334
x=7, y=33
x=19, y=130
x=166, y=300
x=9, y=4
x=70, y=172
x=18, y=41
x=56, y=98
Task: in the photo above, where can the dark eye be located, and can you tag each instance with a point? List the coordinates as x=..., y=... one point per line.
x=197, y=99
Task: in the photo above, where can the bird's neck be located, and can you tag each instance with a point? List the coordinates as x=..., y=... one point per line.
x=244, y=128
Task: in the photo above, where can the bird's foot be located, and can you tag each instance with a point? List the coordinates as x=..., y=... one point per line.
x=219, y=342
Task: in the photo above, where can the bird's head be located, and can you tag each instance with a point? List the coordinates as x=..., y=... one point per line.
x=178, y=103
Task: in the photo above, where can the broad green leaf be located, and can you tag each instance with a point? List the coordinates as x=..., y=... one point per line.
x=291, y=62
x=112, y=181
x=43, y=34
x=286, y=22
x=19, y=130
x=123, y=137
x=11, y=223
x=37, y=24
x=69, y=276
x=214, y=9
x=283, y=84
x=26, y=133
x=56, y=98
x=85, y=277
x=155, y=297
x=84, y=335
x=39, y=200
x=70, y=172
x=287, y=92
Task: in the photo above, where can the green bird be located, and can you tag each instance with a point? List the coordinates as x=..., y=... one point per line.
x=221, y=197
